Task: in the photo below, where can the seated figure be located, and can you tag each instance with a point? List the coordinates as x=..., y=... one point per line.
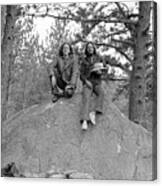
x=91, y=72
x=63, y=73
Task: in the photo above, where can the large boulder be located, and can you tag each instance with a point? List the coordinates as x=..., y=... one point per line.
x=50, y=134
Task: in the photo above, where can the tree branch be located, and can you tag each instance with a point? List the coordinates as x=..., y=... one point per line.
x=106, y=45
x=83, y=20
x=118, y=79
x=130, y=27
x=122, y=67
x=116, y=48
x=133, y=16
x=120, y=9
x=129, y=43
x=116, y=33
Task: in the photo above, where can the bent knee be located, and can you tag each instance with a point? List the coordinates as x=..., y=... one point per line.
x=99, y=90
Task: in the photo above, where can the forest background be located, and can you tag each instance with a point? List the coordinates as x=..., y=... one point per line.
x=123, y=33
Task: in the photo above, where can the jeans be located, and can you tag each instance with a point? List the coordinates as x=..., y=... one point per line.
x=87, y=94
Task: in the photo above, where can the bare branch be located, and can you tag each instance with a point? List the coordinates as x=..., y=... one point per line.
x=118, y=79
x=129, y=26
x=116, y=48
x=84, y=20
x=133, y=16
x=122, y=67
x=129, y=43
x=120, y=9
x=117, y=33
x=106, y=45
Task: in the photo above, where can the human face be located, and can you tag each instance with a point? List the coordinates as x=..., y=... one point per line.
x=90, y=48
x=66, y=49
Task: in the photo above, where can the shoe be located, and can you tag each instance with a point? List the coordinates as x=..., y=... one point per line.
x=84, y=125
x=92, y=116
x=54, y=98
x=57, y=92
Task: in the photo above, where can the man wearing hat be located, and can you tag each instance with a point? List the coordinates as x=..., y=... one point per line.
x=91, y=72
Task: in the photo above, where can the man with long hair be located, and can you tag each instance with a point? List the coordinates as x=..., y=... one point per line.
x=63, y=73
x=91, y=71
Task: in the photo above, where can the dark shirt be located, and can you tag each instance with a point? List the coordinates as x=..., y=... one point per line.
x=86, y=66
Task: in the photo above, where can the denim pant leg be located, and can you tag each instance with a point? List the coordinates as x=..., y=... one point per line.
x=86, y=101
x=99, y=100
x=59, y=83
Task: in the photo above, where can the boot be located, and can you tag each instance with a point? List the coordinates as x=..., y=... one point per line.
x=54, y=98
x=57, y=93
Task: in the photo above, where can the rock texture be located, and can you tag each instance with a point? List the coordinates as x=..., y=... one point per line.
x=50, y=134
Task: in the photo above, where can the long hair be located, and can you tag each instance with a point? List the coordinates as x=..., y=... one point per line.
x=61, y=49
x=86, y=49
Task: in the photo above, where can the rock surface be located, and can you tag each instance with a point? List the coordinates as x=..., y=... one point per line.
x=50, y=134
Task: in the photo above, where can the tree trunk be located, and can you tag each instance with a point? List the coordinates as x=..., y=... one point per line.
x=3, y=20
x=154, y=114
x=137, y=102
x=7, y=54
